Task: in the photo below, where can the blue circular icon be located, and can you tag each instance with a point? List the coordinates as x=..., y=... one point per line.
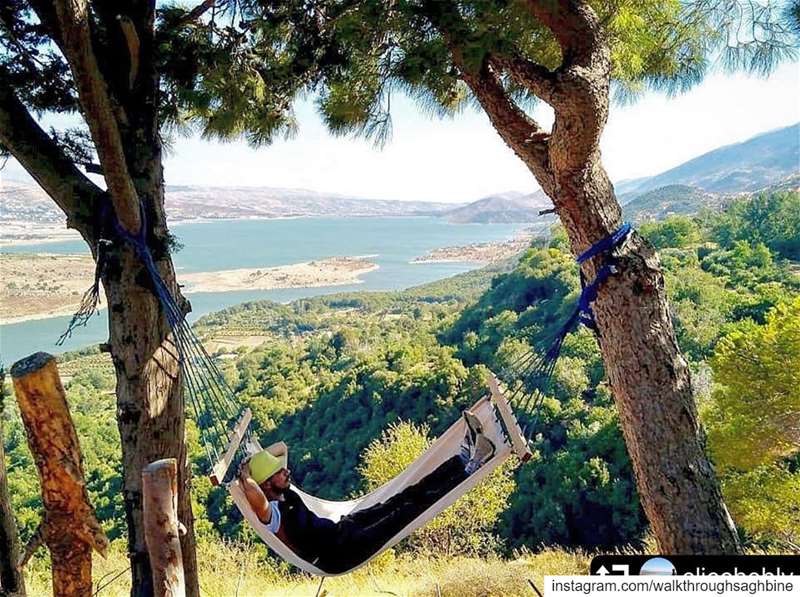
x=658, y=567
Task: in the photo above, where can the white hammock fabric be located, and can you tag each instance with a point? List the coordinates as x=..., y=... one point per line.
x=445, y=447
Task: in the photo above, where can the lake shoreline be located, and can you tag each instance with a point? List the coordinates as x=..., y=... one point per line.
x=391, y=243
x=45, y=285
x=333, y=271
x=480, y=253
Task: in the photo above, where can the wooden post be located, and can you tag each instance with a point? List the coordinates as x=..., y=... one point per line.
x=11, y=580
x=70, y=527
x=161, y=527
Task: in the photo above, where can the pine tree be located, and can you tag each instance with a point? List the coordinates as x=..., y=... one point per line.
x=132, y=74
x=574, y=55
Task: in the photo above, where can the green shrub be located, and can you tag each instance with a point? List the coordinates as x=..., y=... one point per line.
x=466, y=528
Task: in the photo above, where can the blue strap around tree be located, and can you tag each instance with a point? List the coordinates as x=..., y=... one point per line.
x=603, y=245
x=583, y=310
x=589, y=292
x=138, y=243
x=536, y=369
x=212, y=400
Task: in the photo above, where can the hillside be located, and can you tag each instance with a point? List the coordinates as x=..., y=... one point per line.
x=189, y=203
x=670, y=200
x=336, y=374
x=22, y=202
x=679, y=199
x=747, y=166
x=28, y=214
x=510, y=207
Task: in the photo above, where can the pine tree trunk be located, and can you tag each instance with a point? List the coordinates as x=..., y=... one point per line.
x=650, y=379
x=11, y=579
x=150, y=403
x=117, y=81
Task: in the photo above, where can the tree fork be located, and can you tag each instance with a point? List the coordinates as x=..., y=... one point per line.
x=99, y=110
x=70, y=528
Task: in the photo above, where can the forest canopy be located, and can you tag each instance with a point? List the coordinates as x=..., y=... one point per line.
x=348, y=377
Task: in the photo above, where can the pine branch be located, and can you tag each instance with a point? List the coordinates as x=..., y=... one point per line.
x=194, y=14
x=521, y=132
x=535, y=77
x=575, y=26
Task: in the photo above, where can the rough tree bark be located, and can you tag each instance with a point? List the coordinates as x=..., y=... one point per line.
x=149, y=389
x=70, y=527
x=12, y=582
x=649, y=377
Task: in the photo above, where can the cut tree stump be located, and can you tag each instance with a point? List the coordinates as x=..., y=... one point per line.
x=162, y=529
x=70, y=526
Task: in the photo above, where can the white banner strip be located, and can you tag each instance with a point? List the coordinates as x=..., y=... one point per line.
x=672, y=586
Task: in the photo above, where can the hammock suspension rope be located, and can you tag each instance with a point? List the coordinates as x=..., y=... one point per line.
x=529, y=374
x=212, y=400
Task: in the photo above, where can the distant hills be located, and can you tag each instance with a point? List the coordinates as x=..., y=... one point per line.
x=768, y=160
x=754, y=164
x=190, y=203
x=27, y=202
x=671, y=199
x=23, y=202
x=508, y=207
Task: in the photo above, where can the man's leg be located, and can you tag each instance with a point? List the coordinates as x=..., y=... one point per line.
x=362, y=533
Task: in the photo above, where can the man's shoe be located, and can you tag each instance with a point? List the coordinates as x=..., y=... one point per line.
x=482, y=453
x=473, y=424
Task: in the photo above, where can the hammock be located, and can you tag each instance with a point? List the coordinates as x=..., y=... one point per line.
x=224, y=423
x=496, y=429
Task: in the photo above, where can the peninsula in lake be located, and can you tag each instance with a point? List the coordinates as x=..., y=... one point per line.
x=37, y=286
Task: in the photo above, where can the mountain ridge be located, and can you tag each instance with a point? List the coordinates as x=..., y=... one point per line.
x=26, y=202
x=749, y=165
x=508, y=207
x=769, y=158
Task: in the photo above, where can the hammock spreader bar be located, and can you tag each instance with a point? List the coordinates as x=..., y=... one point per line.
x=530, y=374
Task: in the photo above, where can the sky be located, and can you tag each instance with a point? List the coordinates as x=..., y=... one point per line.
x=462, y=158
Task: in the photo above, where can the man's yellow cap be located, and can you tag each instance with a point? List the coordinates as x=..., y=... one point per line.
x=263, y=465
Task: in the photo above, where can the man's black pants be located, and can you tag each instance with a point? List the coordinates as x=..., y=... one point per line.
x=359, y=535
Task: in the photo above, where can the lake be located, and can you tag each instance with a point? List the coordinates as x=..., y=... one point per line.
x=231, y=244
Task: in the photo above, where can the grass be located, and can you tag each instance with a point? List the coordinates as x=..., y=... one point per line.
x=237, y=571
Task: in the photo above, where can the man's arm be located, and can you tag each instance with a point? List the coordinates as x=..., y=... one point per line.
x=258, y=501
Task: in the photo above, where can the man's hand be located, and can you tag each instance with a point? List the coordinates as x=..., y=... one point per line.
x=244, y=470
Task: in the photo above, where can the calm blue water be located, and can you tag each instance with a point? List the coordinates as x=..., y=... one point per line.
x=220, y=245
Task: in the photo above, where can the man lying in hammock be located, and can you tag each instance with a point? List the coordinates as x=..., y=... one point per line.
x=339, y=546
